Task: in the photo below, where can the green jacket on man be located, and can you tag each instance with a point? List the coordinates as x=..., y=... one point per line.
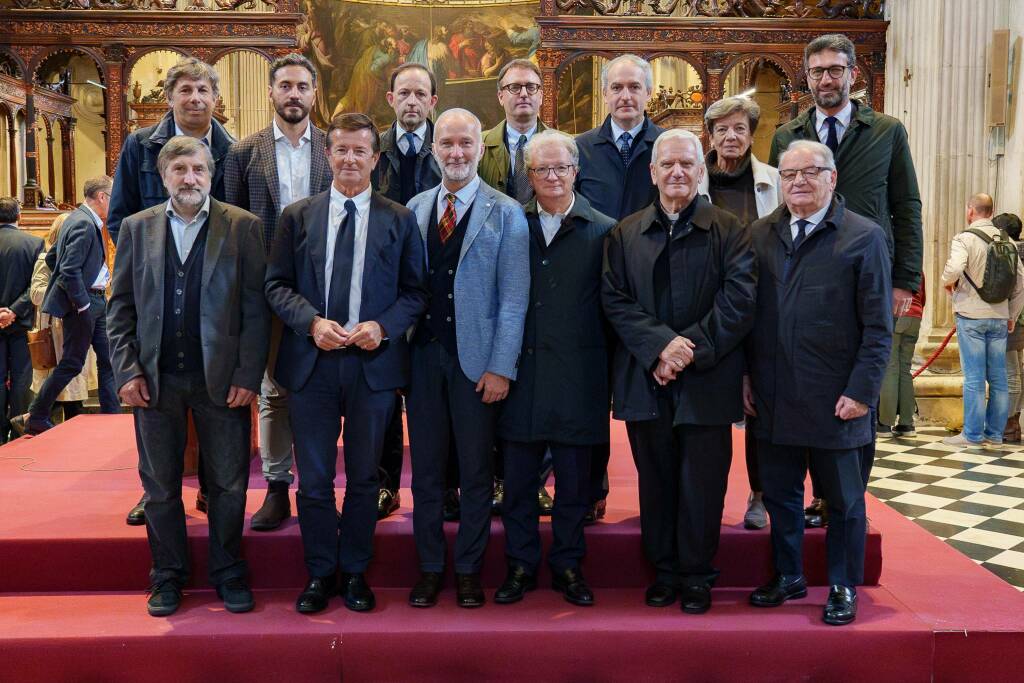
x=495, y=164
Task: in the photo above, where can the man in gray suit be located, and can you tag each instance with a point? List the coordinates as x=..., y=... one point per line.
x=464, y=351
x=189, y=329
x=264, y=173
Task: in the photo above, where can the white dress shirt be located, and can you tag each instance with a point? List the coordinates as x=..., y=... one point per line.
x=185, y=232
x=512, y=141
x=337, y=216
x=419, y=137
x=293, y=165
x=812, y=222
x=550, y=223
x=842, y=122
x=463, y=198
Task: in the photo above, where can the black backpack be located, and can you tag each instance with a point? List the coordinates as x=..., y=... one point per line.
x=1000, y=267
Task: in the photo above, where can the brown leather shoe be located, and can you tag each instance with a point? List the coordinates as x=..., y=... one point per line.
x=1012, y=432
x=276, y=508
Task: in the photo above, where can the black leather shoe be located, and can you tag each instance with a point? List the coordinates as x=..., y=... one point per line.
x=816, y=514
x=25, y=424
x=236, y=595
x=468, y=591
x=695, y=599
x=545, y=502
x=164, y=599
x=596, y=512
x=570, y=583
x=841, y=607
x=517, y=583
x=315, y=596
x=426, y=590
x=660, y=595
x=276, y=508
x=388, y=502
x=137, y=515
x=201, y=505
x=450, y=507
x=357, y=593
x=499, y=497
x=782, y=588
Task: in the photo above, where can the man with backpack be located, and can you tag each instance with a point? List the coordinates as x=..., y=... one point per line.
x=985, y=277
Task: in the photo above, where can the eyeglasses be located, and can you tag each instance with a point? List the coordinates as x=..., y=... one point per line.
x=815, y=73
x=516, y=88
x=543, y=171
x=809, y=173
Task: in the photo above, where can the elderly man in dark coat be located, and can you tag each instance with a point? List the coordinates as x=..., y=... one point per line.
x=679, y=285
x=817, y=356
x=558, y=401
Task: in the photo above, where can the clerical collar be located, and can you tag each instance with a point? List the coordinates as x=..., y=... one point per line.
x=681, y=218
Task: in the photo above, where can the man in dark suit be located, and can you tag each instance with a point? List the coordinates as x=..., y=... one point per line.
x=613, y=176
x=18, y=253
x=679, y=285
x=77, y=295
x=557, y=402
x=264, y=173
x=406, y=167
x=817, y=356
x=346, y=278
x=189, y=328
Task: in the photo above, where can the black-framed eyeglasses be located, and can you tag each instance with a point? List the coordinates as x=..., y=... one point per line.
x=543, y=171
x=809, y=173
x=516, y=88
x=835, y=72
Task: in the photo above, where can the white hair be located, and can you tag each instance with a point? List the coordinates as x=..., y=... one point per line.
x=457, y=111
x=674, y=134
x=644, y=65
x=811, y=146
x=551, y=136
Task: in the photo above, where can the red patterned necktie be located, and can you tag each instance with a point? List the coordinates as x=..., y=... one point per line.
x=446, y=226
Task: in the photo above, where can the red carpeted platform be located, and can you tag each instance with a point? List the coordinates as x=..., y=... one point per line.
x=72, y=577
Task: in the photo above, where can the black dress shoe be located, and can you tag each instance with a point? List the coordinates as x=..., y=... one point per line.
x=660, y=595
x=276, y=508
x=201, y=505
x=517, y=583
x=596, y=512
x=388, y=502
x=545, y=502
x=841, y=607
x=236, y=595
x=468, y=591
x=695, y=599
x=424, y=593
x=357, y=593
x=570, y=583
x=164, y=599
x=137, y=515
x=816, y=514
x=783, y=587
x=26, y=424
x=315, y=596
x=499, y=497
x=450, y=506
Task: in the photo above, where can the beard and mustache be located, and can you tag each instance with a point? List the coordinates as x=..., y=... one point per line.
x=287, y=111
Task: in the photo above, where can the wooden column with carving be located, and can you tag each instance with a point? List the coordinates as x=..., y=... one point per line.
x=51, y=174
x=30, y=199
x=12, y=152
x=878, y=81
x=548, y=60
x=115, y=105
x=67, y=149
x=715, y=86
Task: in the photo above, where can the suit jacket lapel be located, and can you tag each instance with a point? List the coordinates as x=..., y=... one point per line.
x=216, y=233
x=155, y=238
x=316, y=222
x=268, y=161
x=423, y=211
x=379, y=228
x=320, y=175
x=478, y=214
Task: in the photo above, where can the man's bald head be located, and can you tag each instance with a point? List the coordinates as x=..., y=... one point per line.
x=981, y=204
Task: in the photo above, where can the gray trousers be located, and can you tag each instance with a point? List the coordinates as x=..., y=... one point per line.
x=275, y=432
x=1013, y=378
x=897, y=397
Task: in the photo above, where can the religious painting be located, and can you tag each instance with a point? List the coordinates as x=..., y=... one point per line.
x=356, y=45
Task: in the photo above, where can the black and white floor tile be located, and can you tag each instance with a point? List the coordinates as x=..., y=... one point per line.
x=973, y=499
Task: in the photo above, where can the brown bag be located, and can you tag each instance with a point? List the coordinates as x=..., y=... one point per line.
x=40, y=347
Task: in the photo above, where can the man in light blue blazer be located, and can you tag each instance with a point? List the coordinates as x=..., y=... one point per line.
x=465, y=350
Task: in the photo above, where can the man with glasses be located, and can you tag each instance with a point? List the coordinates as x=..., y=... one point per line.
x=876, y=176
x=817, y=355
x=77, y=294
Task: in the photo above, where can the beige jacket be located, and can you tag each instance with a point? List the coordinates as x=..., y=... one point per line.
x=968, y=253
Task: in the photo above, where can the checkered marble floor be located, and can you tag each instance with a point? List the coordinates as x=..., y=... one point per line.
x=973, y=499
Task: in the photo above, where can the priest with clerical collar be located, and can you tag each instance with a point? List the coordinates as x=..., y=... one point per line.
x=678, y=289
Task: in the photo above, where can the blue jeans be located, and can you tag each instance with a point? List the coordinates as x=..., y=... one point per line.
x=983, y=357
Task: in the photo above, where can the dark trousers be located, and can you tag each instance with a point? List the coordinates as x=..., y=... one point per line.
x=443, y=401
x=600, y=455
x=783, y=469
x=521, y=515
x=683, y=473
x=16, y=368
x=750, y=450
x=394, y=450
x=223, y=434
x=81, y=330
x=337, y=389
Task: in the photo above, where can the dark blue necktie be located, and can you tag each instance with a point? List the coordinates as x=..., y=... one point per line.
x=832, y=137
x=341, y=276
x=625, y=150
x=410, y=139
x=801, y=227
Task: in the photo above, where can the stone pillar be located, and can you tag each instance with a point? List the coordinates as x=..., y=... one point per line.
x=67, y=148
x=51, y=175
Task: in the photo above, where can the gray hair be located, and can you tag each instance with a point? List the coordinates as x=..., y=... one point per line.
x=552, y=137
x=811, y=146
x=644, y=65
x=677, y=134
x=447, y=113
x=194, y=70
x=183, y=146
x=729, y=106
x=832, y=41
x=93, y=186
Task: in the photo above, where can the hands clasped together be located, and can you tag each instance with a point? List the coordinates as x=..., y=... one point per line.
x=673, y=359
